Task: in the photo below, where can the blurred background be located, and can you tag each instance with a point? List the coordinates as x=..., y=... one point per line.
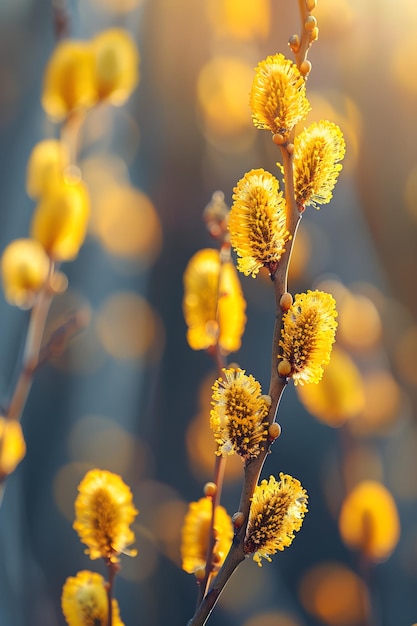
x=129, y=395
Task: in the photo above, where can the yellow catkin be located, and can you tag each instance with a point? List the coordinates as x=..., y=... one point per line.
x=12, y=445
x=69, y=82
x=195, y=535
x=84, y=601
x=278, y=99
x=104, y=511
x=60, y=219
x=317, y=152
x=257, y=222
x=369, y=520
x=213, y=303
x=238, y=414
x=277, y=512
x=24, y=271
x=307, y=335
x=116, y=62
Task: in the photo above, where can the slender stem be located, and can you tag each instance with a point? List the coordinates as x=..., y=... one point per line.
x=70, y=134
x=305, y=39
x=219, y=468
x=233, y=559
x=61, y=19
x=365, y=567
x=32, y=350
x=112, y=569
x=60, y=337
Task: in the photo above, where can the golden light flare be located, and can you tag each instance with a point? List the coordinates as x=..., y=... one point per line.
x=239, y=19
x=382, y=404
x=272, y=618
x=145, y=566
x=126, y=224
x=369, y=520
x=159, y=531
x=335, y=18
x=64, y=486
x=106, y=127
x=168, y=535
x=359, y=306
x=101, y=171
x=128, y=327
x=404, y=65
x=335, y=287
x=361, y=461
x=102, y=442
x=360, y=325
x=223, y=85
x=335, y=595
x=339, y=396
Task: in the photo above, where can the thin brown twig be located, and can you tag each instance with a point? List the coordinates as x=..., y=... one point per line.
x=60, y=19
x=112, y=570
x=32, y=350
x=61, y=337
x=219, y=468
x=220, y=462
x=305, y=40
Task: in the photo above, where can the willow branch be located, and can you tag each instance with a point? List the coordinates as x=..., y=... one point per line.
x=306, y=38
x=220, y=463
x=253, y=468
x=215, y=501
x=277, y=385
x=32, y=350
x=112, y=569
x=59, y=339
x=60, y=19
